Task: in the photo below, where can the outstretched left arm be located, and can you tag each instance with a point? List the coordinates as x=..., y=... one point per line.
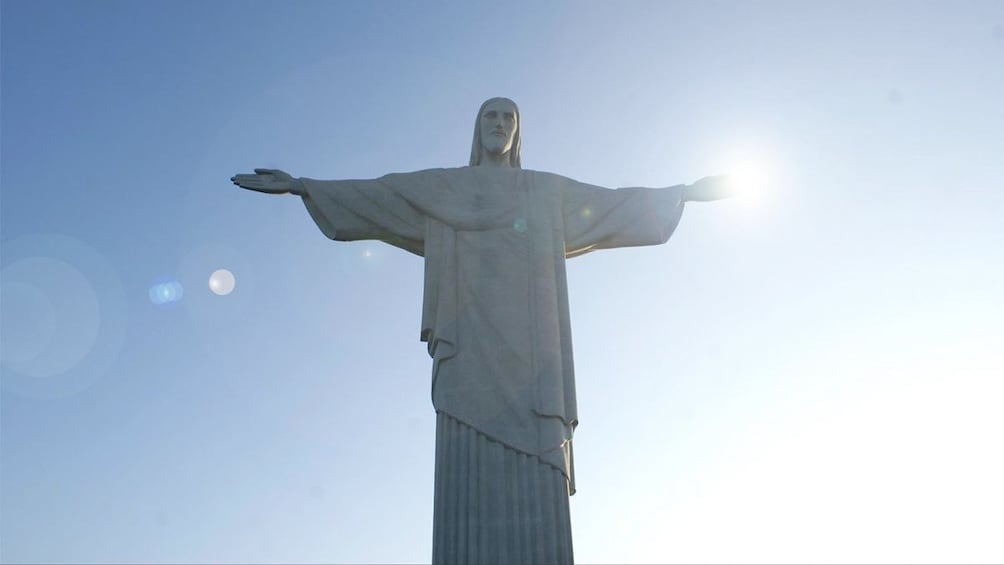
x=601, y=218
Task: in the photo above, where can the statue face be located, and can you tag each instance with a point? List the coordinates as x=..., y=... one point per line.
x=498, y=127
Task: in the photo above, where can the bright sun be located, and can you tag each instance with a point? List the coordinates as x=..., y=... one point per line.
x=750, y=176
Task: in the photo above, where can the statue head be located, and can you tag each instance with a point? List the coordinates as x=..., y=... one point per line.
x=496, y=131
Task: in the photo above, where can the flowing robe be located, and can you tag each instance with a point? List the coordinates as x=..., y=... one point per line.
x=495, y=313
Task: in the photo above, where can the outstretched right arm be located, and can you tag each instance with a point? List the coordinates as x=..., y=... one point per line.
x=270, y=181
x=393, y=208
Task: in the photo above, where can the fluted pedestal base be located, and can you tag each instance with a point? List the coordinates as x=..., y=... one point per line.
x=494, y=504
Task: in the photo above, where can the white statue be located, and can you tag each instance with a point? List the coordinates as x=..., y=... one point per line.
x=495, y=238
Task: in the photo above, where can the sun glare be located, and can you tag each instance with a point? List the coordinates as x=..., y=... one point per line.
x=750, y=176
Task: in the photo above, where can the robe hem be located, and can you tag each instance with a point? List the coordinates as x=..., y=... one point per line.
x=537, y=456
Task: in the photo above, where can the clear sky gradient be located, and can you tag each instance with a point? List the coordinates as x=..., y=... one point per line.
x=810, y=373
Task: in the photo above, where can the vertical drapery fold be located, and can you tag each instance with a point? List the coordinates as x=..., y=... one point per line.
x=494, y=504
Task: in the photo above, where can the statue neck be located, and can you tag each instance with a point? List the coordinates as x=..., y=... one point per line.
x=494, y=159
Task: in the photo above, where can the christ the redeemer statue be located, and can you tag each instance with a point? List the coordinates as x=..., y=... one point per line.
x=495, y=317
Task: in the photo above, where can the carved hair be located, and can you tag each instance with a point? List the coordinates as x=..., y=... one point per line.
x=476, y=145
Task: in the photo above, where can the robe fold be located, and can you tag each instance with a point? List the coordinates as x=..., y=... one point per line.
x=495, y=311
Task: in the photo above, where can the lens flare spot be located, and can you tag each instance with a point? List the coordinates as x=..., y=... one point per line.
x=63, y=312
x=367, y=254
x=222, y=282
x=51, y=316
x=166, y=292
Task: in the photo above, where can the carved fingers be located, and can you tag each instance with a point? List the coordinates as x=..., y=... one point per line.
x=270, y=181
x=711, y=188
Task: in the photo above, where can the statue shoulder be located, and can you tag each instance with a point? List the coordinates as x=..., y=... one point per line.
x=429, y=175
x=555, y=180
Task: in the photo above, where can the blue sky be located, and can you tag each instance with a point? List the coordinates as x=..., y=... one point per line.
x=809, y=373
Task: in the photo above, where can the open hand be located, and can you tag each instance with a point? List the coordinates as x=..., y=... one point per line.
x=710, y=188
x=270, y=181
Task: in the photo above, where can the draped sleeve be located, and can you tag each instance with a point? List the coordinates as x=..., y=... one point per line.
x=349, y=210
x=397, y=208
x=601, y=218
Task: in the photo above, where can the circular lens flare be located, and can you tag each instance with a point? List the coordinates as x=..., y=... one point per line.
x=222, y=282
x=51, y=316
x=28, y=322
x=166, y=292
x=64, y=316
